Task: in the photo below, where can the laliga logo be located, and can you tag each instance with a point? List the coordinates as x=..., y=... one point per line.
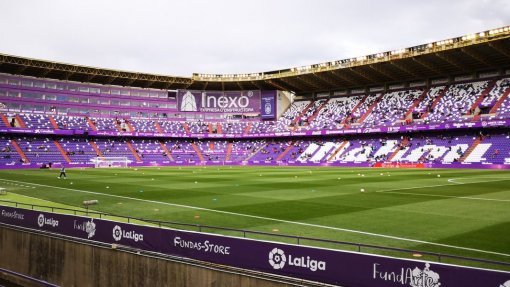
x=40, y=220
x=278, y=259
x=118, y=234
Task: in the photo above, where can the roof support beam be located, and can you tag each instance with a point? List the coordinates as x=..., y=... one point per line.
x=475, y=55
x=45, y=72
x=130, y=81
x=110, y=80
x=362, y=75
x=498, y=47
x=90, y=77
x=186, y=87
x=167, y=86
x=380, y=71
x=21, y=69
x=325, y=80
x=450, y=60
x=405, y=69
x=256, y=85
x=428, y=66
x=297, y=85
x=344, y=78
x=149, y=84
x=302, y=79
x=283, y=86
x=68, y=75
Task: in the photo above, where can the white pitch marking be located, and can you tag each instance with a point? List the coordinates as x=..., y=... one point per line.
x=439, y=185
x=454, y=180
x=446, y=196
x=273, y=219
x=393, y=191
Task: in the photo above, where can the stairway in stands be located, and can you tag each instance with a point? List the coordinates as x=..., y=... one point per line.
x=344, y=121
x=296, y=119
x=5, y=120
x=229, y=151
x=198, y=152
x=255, y=152
x=337, y=150
x=158, y=127
x=166, y=150
x=282, y=155
x=62, y=151
x=248, y=128
x=20, y=122
x=22, y=154
x=435, y=102
x=480, y=98
x=186, y=128
x=317, y=111
x=402, y=144
x=416, y=103
x=370, y=109
x=133, y=151
x=470, y=149
x=95, y=148
x=53, y=122
x=500, y=101
x=91, y=124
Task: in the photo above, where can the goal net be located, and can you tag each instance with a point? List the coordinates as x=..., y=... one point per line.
x=103, y=162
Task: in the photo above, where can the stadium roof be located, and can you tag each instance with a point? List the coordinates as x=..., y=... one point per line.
x=466, y=55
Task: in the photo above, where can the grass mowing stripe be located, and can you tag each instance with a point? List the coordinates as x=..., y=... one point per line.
x=272, y=219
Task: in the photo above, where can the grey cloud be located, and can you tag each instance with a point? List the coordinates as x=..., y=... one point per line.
x=228, y=36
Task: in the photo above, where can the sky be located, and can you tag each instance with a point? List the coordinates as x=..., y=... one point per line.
x=231, y=36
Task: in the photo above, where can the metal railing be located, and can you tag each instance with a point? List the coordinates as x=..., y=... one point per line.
x=27, y=278
x=359, y=247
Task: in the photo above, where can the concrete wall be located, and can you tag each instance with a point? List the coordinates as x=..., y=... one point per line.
x=283, y=101
x=68, y=263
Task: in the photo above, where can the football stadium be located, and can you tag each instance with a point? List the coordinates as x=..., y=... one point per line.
x=388, y=169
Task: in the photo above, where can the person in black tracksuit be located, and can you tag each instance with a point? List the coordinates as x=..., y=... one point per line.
x=63, y=172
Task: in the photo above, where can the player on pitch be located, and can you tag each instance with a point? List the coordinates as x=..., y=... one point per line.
x=62, y=172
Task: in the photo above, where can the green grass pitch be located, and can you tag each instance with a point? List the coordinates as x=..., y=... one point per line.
x=460, y=212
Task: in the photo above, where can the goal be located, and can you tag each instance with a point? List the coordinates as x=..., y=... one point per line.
x=103, y=161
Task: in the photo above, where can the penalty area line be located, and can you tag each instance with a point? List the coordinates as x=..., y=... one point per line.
x=270, y=219
x=395, y=191
x=445, y=196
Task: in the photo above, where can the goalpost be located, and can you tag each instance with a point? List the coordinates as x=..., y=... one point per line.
x=105, y=162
